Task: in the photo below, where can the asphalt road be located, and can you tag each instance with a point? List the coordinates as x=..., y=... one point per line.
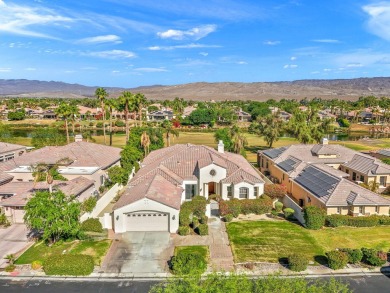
x=359, y=284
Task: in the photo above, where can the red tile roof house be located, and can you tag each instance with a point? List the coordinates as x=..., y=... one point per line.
x=15, y=195
x=8, y=151
x=170, y=176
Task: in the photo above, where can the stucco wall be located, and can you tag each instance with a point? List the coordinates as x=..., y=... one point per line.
x=205, y=177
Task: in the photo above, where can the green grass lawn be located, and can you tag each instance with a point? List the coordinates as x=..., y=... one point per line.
x=268, y=241
x=40, y=251
x=200, y=249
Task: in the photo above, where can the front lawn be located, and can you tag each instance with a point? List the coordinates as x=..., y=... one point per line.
x=40, y=251
x=199, y=249
x=269, y=241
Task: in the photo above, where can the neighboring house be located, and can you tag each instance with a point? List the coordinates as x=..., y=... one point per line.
x=170, y=176
x=243, y=116
x=160, y=115
x=187, y=111
x=8, y=151
x=76, y=159
x=15, y=195
x=325, y=114
x=346, y=168
x=381, y=154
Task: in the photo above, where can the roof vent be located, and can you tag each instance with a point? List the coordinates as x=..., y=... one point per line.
x=324, y=141
x=221, y=147
x=78, y=138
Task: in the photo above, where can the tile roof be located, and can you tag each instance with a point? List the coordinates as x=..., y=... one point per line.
x=182, y=162
x=367, y=165
x=4, y=166
x=384, y=152
x=6, y=147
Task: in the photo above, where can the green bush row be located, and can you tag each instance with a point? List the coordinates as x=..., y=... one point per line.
x=314, y=217
x=338, y=259
x=69, y=265
x=235, y=206
x=345, y=220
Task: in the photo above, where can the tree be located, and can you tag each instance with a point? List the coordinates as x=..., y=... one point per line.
x=201, y=116
x=178, y=105
x=17, y=115
x=55, y=215
x=224, y=135
x=65, y=111
x=270, y=128
x=48, y=173
x=118, y=175
x=169, y=130
x=125, y=102
x=139, y=103
x=145, y=142
x=111, y=104
x=5, y=134
x=47, y=137
x=101, y=94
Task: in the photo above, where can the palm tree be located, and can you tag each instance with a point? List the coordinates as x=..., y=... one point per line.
x=270, y=127
x=126, y=101
x=111, y=104
x=102, y=95
x=65, y=111
x=169, y=130
x=145, y=142
x=239, y=143
x=178, y=105
x=373, y=186
x=73, y=111
x=42, y=170
x=139, y=103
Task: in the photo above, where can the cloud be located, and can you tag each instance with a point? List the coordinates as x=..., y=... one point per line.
x=315, y=72
x=30, y=69
x=242, y=62
x=113, y=54
x=187, y=46
x=271, y=43
x=101, y=39
x=293, y=58
x=327, y=69
x=25, y=20
x=195, y=33
x=204, y=54
x=378, y=19
x=354, y=65
x=291, y=66
x=4, y=69
x=329, y=41
x=151, y=69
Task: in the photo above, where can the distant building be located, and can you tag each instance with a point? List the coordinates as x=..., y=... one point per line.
x=160, y=115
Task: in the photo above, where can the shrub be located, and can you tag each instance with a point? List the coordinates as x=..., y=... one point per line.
x=373, y=257
x=203, y=219
x=274, y=213
x=337, y=259
x=345, y=220
x=354, y=255
x=10, y=268
x=3, y=219
x=384, y=220
x=89, y=204
x=278, y=206
x=36, y=265
x=314, y=217
x=288, y=213
x=297, y=263
x=99, y=124
x=228, y=218
x=120, y=123
x=202, y=230
x=195, y=222
x=198, y=205
x=92, y=225
x=91, y=124
x=185, y=263
x=69, y=265
x=235, y=206
x=184, y=230
x=275, y=190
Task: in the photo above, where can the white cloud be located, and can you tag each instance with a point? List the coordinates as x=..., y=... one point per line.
x=4, y=69
x=314, y=72
x=293, y=58
x=330, y=41
x=354, y=65
x=204, y=54
x=101, y=39
x=30, y=69
x=242, y=62
x=195, y=33
x=379, y=19
x=292, y=66
x=327, y=69
x=187, y=46
x=113, y=54
x=25, y=20
x=151, y=69
x=271, y=43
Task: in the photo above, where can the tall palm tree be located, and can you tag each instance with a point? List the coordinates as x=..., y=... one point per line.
x=239, y=143
x=126, y=101
x=111, y=105
x=101, y=94
x=74, y=111
x=139, y=102
x=65, y=111
x=169, y=130
x=145, y=142
x=42, y=170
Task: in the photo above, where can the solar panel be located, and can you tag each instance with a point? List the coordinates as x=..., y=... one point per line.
x=287, y=165
x=274, y=153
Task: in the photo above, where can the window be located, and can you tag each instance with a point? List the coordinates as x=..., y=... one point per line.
x=266, y=165
x=377, y=209
x=362, y=178
x=229, y=191
x=353, y=176
x=190, y=191
x=347, y=171
x=283, y=177
x=244, y=192
x=308, y=199
x=262, y=163
x=256, y=189
x=361, y=210
x=339, y=210
x=382, y=181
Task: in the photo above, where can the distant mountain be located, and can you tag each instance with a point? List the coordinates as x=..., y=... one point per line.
x=321, y=88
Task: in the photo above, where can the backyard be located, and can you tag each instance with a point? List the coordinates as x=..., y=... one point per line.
x=270, y=241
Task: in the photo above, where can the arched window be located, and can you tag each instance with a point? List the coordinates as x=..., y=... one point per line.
x=244, y=192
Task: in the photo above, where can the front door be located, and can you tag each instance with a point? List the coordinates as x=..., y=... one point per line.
x=211, y=188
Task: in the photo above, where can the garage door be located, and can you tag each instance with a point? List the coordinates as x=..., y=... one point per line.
x=147, y=221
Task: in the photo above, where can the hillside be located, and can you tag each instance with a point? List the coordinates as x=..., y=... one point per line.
x=327, y=89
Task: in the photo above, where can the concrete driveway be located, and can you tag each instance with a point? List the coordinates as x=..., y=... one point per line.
x=12, y=240
x=140, y=253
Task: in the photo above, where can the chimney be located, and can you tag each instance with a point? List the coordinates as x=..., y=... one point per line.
x=78, y=138
x=324, y=141
x=221, y=147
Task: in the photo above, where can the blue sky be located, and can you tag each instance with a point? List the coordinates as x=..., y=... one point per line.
x=131, y=43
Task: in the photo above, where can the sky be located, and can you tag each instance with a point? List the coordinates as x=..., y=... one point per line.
x=130, y=43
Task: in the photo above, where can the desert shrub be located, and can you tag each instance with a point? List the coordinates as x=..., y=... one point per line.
x=10, y=268
x=275, y=190
x=184, y=217
x=184, y=230
x=69, y=265
x=314, y=217
x=185, y=263
x=120, y=123
x=337, y=259
x=202, y=230
x=297, y=263
x=228, y=218
x=373, y=257
x=203, y=219
x=288, y=213
x=195, y=222
x=36, y=264
x=354, y=255
x=92, y=225
x=278, y=206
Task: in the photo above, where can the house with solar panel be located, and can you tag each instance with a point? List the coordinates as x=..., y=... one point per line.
x=329, y=176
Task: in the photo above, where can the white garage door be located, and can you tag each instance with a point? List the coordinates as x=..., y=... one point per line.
x=147, y=221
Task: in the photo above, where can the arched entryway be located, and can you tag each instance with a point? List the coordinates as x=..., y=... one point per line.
x=212, y=187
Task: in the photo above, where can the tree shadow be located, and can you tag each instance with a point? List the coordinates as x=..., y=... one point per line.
x=386, y=271
x=321, y=259
x=283, y=261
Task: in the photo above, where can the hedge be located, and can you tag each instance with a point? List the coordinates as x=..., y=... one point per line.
x=203, y=219
x=337, y=259
x=297, y=263
x=185, y=263
x=195, y=222
x=278, y=206
x=92, y=225
x=69, y=265
x=346, y=220
x=374, y=257
x=354, y=255
x=202, y=230
x=289, y=213
x=314, y=217
x=228, y=218
x=235, y=206
x=184, y=230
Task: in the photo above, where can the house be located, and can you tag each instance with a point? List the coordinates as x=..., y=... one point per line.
x=243, y=116
x=170, y=176
x=76, y=159
x=160, y=115
x=331, y=168
x=8, y=151
x=15, y=195
x=381, y=154
x=187, y=111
